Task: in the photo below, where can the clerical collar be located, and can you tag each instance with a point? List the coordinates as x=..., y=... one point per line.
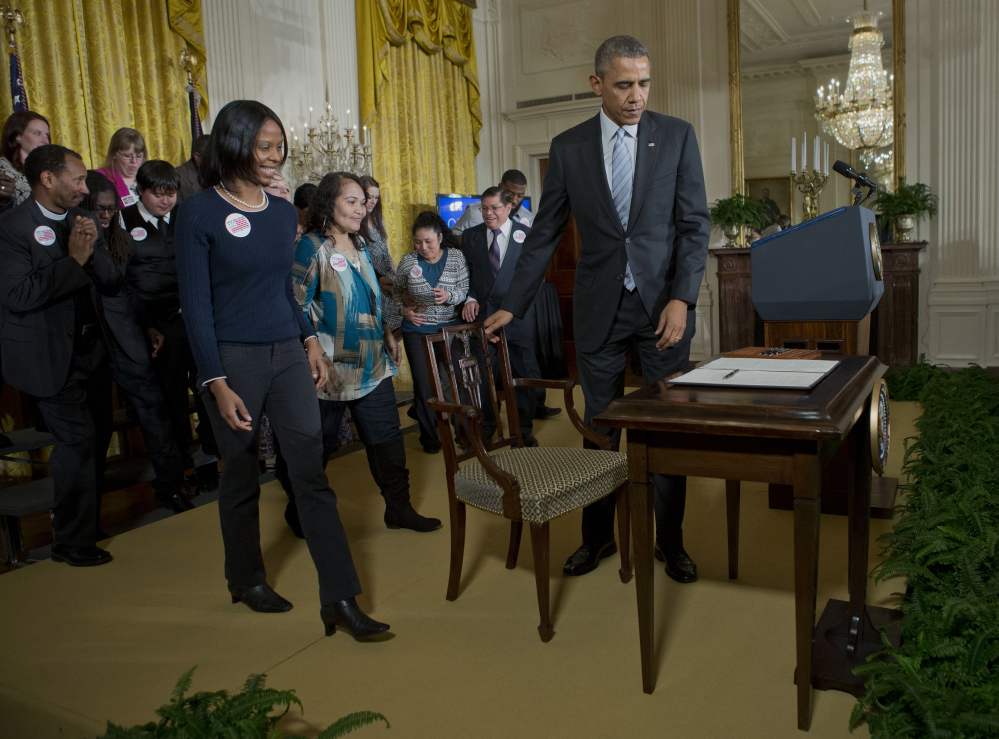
x=50, y=215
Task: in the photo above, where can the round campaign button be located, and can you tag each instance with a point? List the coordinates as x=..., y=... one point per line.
x=338, y=262
x=138, y=233
x=417, y=271
x=44, y=235
x=237, y=224
x=519, y=236
x=127, y=200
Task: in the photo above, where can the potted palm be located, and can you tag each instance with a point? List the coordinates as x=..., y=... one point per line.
x=735, y=212
x=904, y=207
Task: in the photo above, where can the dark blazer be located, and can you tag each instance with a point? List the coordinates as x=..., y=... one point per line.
x=152, y=268
x=121, y=313
x=666, y=242
x=37, y=285
x=490, y=290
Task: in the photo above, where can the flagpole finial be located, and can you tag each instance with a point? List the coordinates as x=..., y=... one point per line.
x=12, y=18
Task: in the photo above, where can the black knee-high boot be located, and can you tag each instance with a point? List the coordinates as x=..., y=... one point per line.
x=388, y=466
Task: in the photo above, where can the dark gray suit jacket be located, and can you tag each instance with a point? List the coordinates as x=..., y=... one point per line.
x=666, y=242
x=37, y=285
x=490, y=290
x=188, y=181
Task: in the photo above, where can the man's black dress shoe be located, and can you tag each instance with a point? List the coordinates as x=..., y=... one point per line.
x=176, y=502
x=530, y=441
x=431, y=448
x=80, y=556
x=587, y=557
x=679, y=565
x=259, y=598
x=348, y=616
x=543, y=411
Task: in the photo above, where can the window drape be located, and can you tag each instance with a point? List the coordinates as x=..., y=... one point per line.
x=93, y=66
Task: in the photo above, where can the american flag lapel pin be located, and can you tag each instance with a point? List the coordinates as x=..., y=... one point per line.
x=652, y=143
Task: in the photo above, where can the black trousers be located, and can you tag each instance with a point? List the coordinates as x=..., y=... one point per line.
x=137, y=382
x=376, y=417
x=78, y=416
x=522, y=364
x=177, y=373
x=423, y=388
x=276, y=379
x=601, y=375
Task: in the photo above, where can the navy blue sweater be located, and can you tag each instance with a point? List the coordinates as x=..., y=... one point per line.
x=236, y=288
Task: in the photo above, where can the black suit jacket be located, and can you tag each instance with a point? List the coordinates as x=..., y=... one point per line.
x=490, y=290
x=37, y=286
x=121, y=312
x=666, y=241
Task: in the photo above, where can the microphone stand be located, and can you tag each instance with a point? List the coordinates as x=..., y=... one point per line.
x=858, y=198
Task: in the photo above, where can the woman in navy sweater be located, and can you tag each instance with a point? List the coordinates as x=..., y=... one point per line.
x=257, y=353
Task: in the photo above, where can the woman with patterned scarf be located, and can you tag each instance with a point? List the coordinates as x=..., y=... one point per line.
x=337, y=287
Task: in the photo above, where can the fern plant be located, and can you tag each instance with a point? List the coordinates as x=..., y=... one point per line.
x=943, y=681
x=243, y=715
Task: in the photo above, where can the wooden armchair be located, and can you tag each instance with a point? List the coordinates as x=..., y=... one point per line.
x=533, y=484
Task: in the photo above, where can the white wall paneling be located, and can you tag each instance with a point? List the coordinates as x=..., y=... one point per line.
x=953, y=146
x=288, y=54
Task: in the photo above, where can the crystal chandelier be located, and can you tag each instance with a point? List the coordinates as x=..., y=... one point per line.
x=862, y=115
x=327, y=150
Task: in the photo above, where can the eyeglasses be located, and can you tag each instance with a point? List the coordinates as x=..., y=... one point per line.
x=493, y=208
x=132, y=157
x=110, y=211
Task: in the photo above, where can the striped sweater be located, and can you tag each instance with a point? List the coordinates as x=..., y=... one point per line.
x=454, y=279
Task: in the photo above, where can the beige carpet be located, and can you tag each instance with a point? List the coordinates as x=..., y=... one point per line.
x=81, y=646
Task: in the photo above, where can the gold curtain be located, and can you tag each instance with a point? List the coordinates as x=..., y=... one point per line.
x=420, y=97
x=93, y=66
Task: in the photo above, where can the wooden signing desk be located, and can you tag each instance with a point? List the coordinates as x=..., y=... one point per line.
x=772, y=436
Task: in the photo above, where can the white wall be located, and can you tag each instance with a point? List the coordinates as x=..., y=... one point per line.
x=288, y=54
x=952, y=52
x=536, y=49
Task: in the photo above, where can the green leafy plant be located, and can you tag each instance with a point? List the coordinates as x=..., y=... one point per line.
x=243, y=715
x=915, y=200
x=907, y=383
x=943, y=680
x=739, y=210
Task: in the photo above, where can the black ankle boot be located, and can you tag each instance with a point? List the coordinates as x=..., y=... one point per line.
x=388, y=466
x=259, y=598
x=348, y=616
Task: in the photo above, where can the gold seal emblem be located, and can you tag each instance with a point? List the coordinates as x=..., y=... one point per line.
x=880, y=427
x=876, y=252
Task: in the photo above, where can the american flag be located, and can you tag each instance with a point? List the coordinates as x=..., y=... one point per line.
x=18, y=92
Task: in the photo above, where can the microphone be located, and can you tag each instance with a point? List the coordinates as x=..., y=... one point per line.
x=850, y=173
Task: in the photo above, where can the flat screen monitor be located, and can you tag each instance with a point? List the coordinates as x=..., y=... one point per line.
x=450, y=207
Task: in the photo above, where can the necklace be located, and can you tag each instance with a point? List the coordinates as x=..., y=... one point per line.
x=263, y=196
x=355, y=260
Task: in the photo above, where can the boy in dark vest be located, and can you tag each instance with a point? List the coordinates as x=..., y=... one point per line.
x=152, y=276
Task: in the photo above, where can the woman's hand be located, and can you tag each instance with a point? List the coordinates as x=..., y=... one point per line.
x=470, y=311
x=394, y=350
x=332, y=384
x=315, y=354
x=386, y=283
x=156, y=339
x=441, y=295
x=415, y=315
x=231, y=408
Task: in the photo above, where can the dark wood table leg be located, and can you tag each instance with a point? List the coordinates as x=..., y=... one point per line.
x=640, y=494
x=807, y=505
x=732, y=496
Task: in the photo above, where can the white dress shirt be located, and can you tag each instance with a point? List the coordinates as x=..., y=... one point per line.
x=608, y=132
x=504, y=243
x=146, y=216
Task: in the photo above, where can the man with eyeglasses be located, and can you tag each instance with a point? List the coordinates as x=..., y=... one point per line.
x=491, y=250
x=515, y=183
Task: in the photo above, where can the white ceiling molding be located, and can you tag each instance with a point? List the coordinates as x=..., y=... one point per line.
x=808, y=11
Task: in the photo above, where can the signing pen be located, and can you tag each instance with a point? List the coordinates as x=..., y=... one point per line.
x=733, y=373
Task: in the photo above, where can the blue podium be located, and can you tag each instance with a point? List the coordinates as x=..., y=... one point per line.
x=815, y=284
